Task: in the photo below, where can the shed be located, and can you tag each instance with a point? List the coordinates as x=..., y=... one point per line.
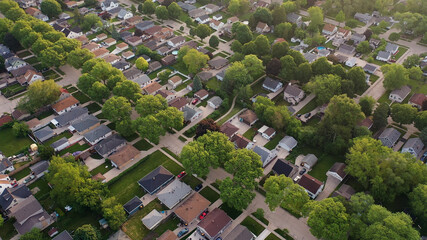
x=133, y=205
x=152, y=219
x=309, y=161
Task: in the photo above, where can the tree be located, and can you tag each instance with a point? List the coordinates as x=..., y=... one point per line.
x=117, y=109
x=340, y=17
x=51, y=8
x=1, y=222
x=249, y=48
x=39, y=94
x=150, y=128
x=263, y=15
x=394, y=36
x=328, y=219
x=284, y=30
x=280, y=190
x=214, y=41
x=279, y=49
x=273, y=67
x=245, y=93
x=423, y=136
x=218, y=146
x=367, y=103
x=127, y=89
x=148, y=7
x=243, y=33
x=195, y=60
x=403, y=113
x=363, y=47
x=98, y=92
x=418, y=201
x=279, y=15
x=197, y=84
x=380, y=116
x=141, y=64
x=113, y=212
x=235, y=77
x=395, y=76
x=415, y=73
x=411, y=61
x=163, y=76
x=140, y=8
x=325, y=87
x=125, y=128
x=87, y=232
x=162, y=12
x=245, y=166
x=262, y=45
x=254, y=66
x=340, y=71
x=234, y=195
x=304, y=73
x=149, y=105
x=53, y=56
x=420, y=121
x=288, y=68
x=90, y=20
x=321, y=66
x=79, y=56
x=46, y=152
x=316, y=17
x=236, y=46
x=206, y=125
x=34, y=234
x=234, y=7
x=20, y=129
x=203, y=31
x=195, y=159
x=85, y=82
x=357, y=76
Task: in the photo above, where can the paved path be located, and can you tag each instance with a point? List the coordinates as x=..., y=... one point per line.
x=263, y=235
x=304, y=102
x=330, y=186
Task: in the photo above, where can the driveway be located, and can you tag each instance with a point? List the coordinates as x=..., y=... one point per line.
x=330, y=186
x=71, y=76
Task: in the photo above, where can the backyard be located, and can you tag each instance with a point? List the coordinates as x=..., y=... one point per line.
x=209, y=194
x=10, y=144
x=252, y=225
x=103, y=168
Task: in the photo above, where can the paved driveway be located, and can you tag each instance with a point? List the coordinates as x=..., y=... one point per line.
x=330, y=186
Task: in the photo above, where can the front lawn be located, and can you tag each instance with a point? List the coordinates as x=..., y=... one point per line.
x=191, y=180
x=272, y=236
x=252, y=225
x=103, y=168
x=400, y=52
x=210, y=194
x=142, y=145
x=233, y=112
x=273, y=142
x=231, y=212
x=65, y=134
x=384, y=98
x=171, y=153
x=32, y=60
x=10, y=144
x=83, y=98
x=24, y=54
x=93, y=107
x=213, y=84
x=76, y=147
x=250, y=134
x=257, y=88
x=310, y=106
x=183, y=85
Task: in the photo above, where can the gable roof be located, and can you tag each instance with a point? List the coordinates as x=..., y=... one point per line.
x=402, y=92
x=370, y=68
x=133, y=204
x=391, y=47
x=106, y=145
x=85, y=123
x=288, y=141
x=96, y=133
x=39, y=167
x=415, y=143
x=171, y=195
x=218, y=62
x=201, y=93
x=281, y=167
x=72, y=115
x=240, y=233
x=44, y=134
x=152, y=219
x=5, y=119
x=329, y=27
x=418, y=98
x=175, y=79
x=155, y=179
x=152, y=87
x=240, y=141
x=60, y=142
x=192, y=207
x=293, y=90
x=262, y=152
x=5, y=163
x=10, y=194
x=205, y=75
x=310, y=183
x=168, y=235
x=178, y=102
x=310, y=159
x=390, y=134
x=65, y=103
x=384, y=54
x=214, y=222
x=124, y=155
x=190, y=112
x=123, y=13
x=229, y=129
x=154, y=29
x=25, y=209
x=248, y=116
x=339, y=168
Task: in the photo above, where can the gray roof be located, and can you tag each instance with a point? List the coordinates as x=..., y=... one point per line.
x=4, y=50
x=215, y=100
x=10, y=194
x=262, y=152
x=171, y=195
x=221, y=74
x=218, y=62
x=22, y=70
x=132, y=73
x=44, y=134
x=189, y=112
x=72, y=115
x=115, y=10
x=64, y=235
x=402, y=92
x=39, y=167
x=415, y=143
x=121, y=64
x=293, y=90
x=142, y=79
x=364, y=17
x=5, y=163
x=133, y=204
x=310, y=159
x=155, y=179
x=85, y=123
x=205, y=75
x=26, y=208
x=389, y=137
x=108, y=2
x=122, y=13
x=186, y=7
x=293, y=17
x=144, y=25
x=358, y=37
x=108, y=144
x=384, y=54
x=96, y=133
x=311, y=57
x=391, y=47
x=346, y=48
x=204, y=17
x=59, y=142
x=152, y=219
x=240, y=233
x=270, y=83
x=288, y=141
x=370, y=68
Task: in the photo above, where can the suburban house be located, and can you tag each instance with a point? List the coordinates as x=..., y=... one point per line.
x=248, y=117
x=241, y=142
x=124, y=14
x=110, y=42
x=12, y=196
x=122, y=46
x=99, y=133
x=294, y=18
x=347, y=49
x=215, y=102
x=175, y=81
x=203, y=19
x=128, y=55
x=6, y=166
x=392, y=48
x=229, y=129
x=174, y=193
x=163, y=50
x=363, y=17
x=221, y=74
x=369, y=68
x=288, y=143
x=329, y=29
x=109, y=145
x=284, y=167
x=64, y=235
x=309, y=161
x=232, y=20
x=216, y=24
x=124, y=156
x=267, y=132
x=152, y=220
x=337, y=171
x=163, y=34
x=73, y=32
x=389, y=137
x=191, y=113
x=214, y=224
x=186, y=6
x=168, y=235
x=217, y=17
x=351, y=62
x=111, y=58
x=262, y=28
x=168, y=60
x=217, y=62
x=383, y=56
x=60, y=144
x=398, y=95
x=14, y=63
x=134, y=41
x=211, y=8
x=83, y=39
x=240, y=233
x=68, y=117
x=272, y=85
x=357, y=38
x=39, y=169
x=152, y=88
x=5, y=183
x=44, y=134
x=27, y=3
x=413, y=146
x=311, y=185
x=155, y=180
x=29, y=77
x=166, y=94
x=178, y=103
x=121, y=65
x=133, y=205
x=266, y=155
x=345, y=191
x=417, y=100
x=310, y=57
x=132, y=21
x=198, y=12
x=101, y=52
x=176, y=41
x=367, y=122
x=144, y=25
x=107, y=5
x=374, y=43
x=91, y=46
x=191, y=208
x=202, y=94
x=65, y=105
x=293, y=94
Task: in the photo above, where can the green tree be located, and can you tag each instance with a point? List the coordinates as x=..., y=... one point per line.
x=321, y=66
x=316, y=17
x=325, y=87
x=420, y=121
x=243, y=33
x=98, y=92
x=395, y=76
x=125, y=128
x=304, y=73
x=51, y=8
x=117, y=109
x=149, y=127
x=53, y=56
x=234, y=7
x=275, y=190
x=340, y=17
x=284, y=30
x=162, y=12
x=367, y=103
x=164, y=75
x=148, y=7
x=204, y=126
x=34, y=234
x=79, y=56
x=113, y=212
x=195, y=159
x=87, y=232
x=218, y=147
x=289, y=68
x=279, y=50
x=90, y=20
x=411, y=61
x=85, y=82
x=263, y=15
x=245, y=166
x=127, y=89
x=254, y=66
x=418, y=201
x=46, y=152
x=340, y=71
x=380, y=116
x=363, y=47
x=20, y=129
x=39, y=94
x=234, y=195
x=203, y=31
x=403, y=113
x=279, y=15
x=236, y=46
x=245, y=93
x=141, y=64
x=195, y=60
x=415, y=73
x=235, y=77
x=149, y=105
x=262, y=45
x=197, y=83
x=357, y=76
x=214, y=41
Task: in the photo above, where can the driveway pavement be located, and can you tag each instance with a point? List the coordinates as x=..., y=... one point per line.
x=330, y=186
x=93, y=163
x=71, y=75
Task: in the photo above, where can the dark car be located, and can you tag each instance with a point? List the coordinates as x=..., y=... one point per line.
x=182, y=174
x=198, y=187
x=424, y=157
x=302, y=171
x=182, y=232
x=307, y=115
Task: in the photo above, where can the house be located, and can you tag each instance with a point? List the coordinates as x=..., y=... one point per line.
x=163, y=50
x=311, y=185
x=97, y=134
x=221, y=74
x=68, y=117
x=369, y=68
x=137, y=76
x=215, y=24
x=133, y=205
x=374, y=43
x=341, y=58
x=109, y=145
x=6, y=166
x=101, y=52
x=13, y=196
x=30, y=214
x=195, y=13
x=383, y=56
x=202, y=94
x=329, y=29
x=191, y=208
x=211, y=8
x=293, y=94
x=132, y=21
x=73, y=32
x=357, y=38
x=83, y=39
x=241, y=142
x=389, y=137
x=205, y=75
x=124, y=156
x=367, y=122
x=398, y=95
x=125, y=35
x=175, y=81
x=163, y=34
x=153, y=66
x=215, y=102
x=323, y=52
x=111, y=58
x=14, y=63
x=337, y=171
x=29, y=77
x=203, y=19
x=232, y=20
x=214, y=224
x=267, y=132
x=144, y=25
x=84, y=124
x=343, y=34
x=240, y=233
x=5, y=119
x=176, y=41
x=413, y=146
x=272, y=85
x=152, y=88
x=309, y=161
x=155, y=180
x=65, y=105
x=134, y=41
x=128, y=55
x=60, y=144
x=191, y=113
x=229, y=129
x=32, y=11
x=168, y=235
x=27, y=3
x=168, y=95
x=294, y=18
x=248, y=117
x=345, y=191
x=121, y=47
x=64, y=235
x=363, y=17
x=217, y=17
x=417, y=100
x=347, y=49
x=262, y=28
x=121, y=65
x=218, y=62
x=101, y=37
x=152, y=220
x=284, y=167
x=91, y=46
x=44, y=134
x=124, y=14
x=39, y=169
x=266, y=155
x=99, y=177
x=168, y=60
x=392, y=48
x=71, y=4
x=288, y=143
x=107, y=5
x=186, y=7
x=351, y=62
x=4, y=51
x=310, y=57
x=110, y=42
x=174, y=193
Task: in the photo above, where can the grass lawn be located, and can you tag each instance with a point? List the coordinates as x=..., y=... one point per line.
x=183, y=85
x=45, y=114
x=233, y=112
x=252, y=225
x=65, y=134
x=261, y=218
x=191, y=180
x=171, y=153
x=308, y=107
x=400, y=52
x=221, y=55
x=93, y=107
x=32, y=60
x=417, y=87
x=12, y=90
x=284, y=233
x=124, y=187
x=384, y=98
x=101, y=116
x=250, y=134
x=76, y=147
x=209, y=194
x=24, y=54
x=257, y=88
x=213, y=84
x=43, y=193
x=143, y=145
x=210, y=49
x=171, y=223
x=182, y=139
x=103, y=168
x=10, y=144
x=8, y=230
x=180, y=66
x=23, y=173
x=112, y=126
x=132, y=137
x=71, y=89
x=373, y=78
x=271, y=236
x=50, y=74
x=83, y=98
x=231, y=212
x=273, y=142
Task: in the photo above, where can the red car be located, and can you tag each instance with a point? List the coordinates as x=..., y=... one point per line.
x=195, y=101
x=182, y=174
x=203, y=215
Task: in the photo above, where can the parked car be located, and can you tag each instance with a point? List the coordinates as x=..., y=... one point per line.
x=302, y=171
x=195, y=101
x=358, y=54
x=203, y=215
x=182, y=174
x=198, y=187
x=307, y=115
x=28, y=179
x=424, y=157
x=182, y=232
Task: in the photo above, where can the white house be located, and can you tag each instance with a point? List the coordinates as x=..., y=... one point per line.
x=107, y=5
x=6, y=166
x=311, y=185
x=329, y=29
x=215, y=102
x=29, y=77
x=267, y=132
x=413, y=146
x=272, y=85
x=216, y=25
x=398, y=95
x=351, y=62
x=293, y=95
x=288, y=143
x=65, y=105
x=337, y=171
x=191, y=113
x=175, y=81
x=266, y=155
x=309, y=161
x=176, y=41
x=4, y=183
x=124, y=14
x=96, y=135
x=217, y=17
x=383, y=56
x=203, y=19
x=13, y=63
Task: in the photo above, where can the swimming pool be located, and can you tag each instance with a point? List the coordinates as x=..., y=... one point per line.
x=320, y=48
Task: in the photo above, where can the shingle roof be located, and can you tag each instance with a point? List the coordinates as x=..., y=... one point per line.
x=175, y=192
x=288, y=141
x=293, y=90
x=133, y=204
x=282, y=167
x=192, y=207
x=214, y=222
x=262, y=152
x=85, y=123
x=415, y=143
x=240, y=233
x=10, y=194
x=58, y=143
x=248, y=116
x=65, y=103
x=106, y=145
x=39, y=167
x=310, y=183
x=418, y=98
x=96, y=133
x=240, y=141
x=64, y=235
x=229, y=129
x=402, y=92
x=190, y=112
x=370, y=68
x=72, y=115
x=152, y=219
x=44, y=134
x=310, y=159
x=168, y=235
x=390, y=136
x=155, y=179
x=124, y=155
x=384, y=54
x=339, y=168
